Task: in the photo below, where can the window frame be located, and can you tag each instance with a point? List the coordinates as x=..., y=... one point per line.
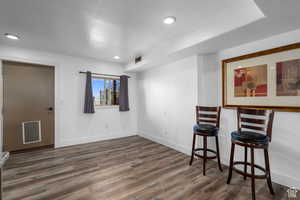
x=104, y=78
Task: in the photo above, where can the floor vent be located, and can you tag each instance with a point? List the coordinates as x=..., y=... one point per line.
x=31, y=132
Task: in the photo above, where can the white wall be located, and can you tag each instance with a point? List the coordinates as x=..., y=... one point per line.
x=167, y=96
x=71, y=125
x=209, y=81
x=284, y=148
x=1, y=107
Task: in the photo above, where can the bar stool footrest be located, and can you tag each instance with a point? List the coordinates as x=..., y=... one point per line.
x=264, y=176
x=208, y=150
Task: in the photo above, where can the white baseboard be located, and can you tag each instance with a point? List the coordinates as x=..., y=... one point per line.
x=285, y=180
x=276, y=177
x=163, y=141
x=96, y=138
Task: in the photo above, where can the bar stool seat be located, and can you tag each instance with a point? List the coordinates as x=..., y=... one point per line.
x=249, y=137
x=207, y=129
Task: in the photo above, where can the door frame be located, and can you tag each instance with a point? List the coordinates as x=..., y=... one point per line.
x=56, y=100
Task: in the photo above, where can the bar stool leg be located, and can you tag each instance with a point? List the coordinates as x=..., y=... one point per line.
x=252, y=173
x=193, y=149
x=268, y=171
x=1, y=187
x=204, y=153
x=246, y=160
x=231, y=163
x=218, y=154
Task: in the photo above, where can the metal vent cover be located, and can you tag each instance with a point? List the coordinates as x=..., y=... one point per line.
x=31, y=132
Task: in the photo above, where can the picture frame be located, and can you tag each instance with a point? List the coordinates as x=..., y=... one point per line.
x=268, y=79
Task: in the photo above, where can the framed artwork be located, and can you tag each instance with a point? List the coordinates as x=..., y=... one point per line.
x=267, y=79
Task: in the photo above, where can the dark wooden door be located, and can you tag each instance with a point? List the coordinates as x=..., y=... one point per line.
x=28, y=106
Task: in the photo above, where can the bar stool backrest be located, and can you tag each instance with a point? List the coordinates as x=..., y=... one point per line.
x=255, y=120
x=208, y=115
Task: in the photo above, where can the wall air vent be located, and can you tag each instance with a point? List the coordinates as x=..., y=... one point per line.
x=138, y=59
x=31, y=132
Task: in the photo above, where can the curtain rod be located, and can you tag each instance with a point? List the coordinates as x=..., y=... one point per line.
x=81, y=72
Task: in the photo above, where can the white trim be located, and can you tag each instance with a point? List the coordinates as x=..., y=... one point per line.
x=183, y=149
x=104, y=77
x=1, y=107
x=23, y=132
x=106, y=106
x=276, y=177
x=285, y=180
x=100, y=137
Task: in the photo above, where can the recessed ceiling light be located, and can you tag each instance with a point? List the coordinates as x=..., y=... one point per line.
x=116, y=57
x=170, y=20
x=11, y=36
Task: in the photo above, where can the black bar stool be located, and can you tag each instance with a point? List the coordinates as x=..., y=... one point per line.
x=208, y=119
x=256, y=122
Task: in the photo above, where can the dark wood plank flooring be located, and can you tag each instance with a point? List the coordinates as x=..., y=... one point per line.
x=131, y=168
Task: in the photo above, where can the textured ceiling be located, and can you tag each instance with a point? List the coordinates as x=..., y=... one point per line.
x=102, y=29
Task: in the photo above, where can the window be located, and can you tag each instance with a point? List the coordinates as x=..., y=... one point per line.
x=105, y=91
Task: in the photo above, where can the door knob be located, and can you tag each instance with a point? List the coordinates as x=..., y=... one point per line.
x=50, y=108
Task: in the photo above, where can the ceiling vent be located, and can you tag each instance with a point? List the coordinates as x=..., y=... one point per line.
x=138, y=59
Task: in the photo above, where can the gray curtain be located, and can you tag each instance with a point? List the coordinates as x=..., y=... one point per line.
x=89, y=99
x=123, y=96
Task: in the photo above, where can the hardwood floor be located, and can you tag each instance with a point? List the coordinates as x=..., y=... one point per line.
x=131, y=168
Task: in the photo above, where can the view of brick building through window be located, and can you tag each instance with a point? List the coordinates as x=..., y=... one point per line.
x=105, y=91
